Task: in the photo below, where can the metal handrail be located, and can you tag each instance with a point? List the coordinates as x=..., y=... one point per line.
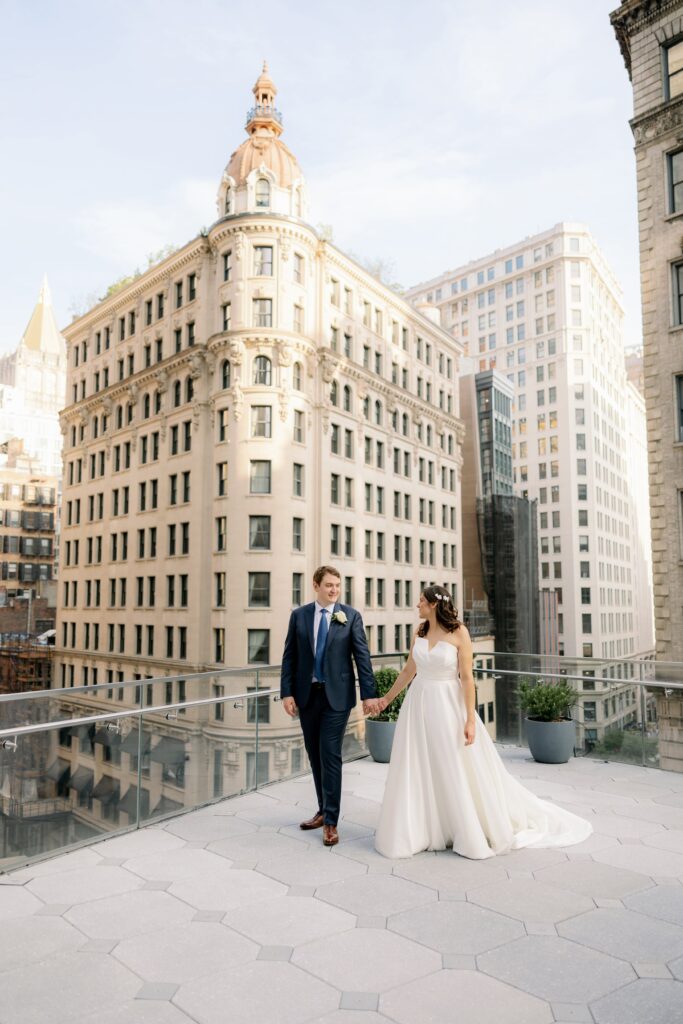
x=113, y=716
x=652, y=683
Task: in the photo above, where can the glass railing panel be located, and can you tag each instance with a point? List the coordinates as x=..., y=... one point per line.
x=59, y=787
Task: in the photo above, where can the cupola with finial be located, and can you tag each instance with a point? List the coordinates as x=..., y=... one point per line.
x=262, y=175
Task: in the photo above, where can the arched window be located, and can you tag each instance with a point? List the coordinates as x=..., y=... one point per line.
x=103, y=424
x=347, y=398
x=157, y=401
x=129, y=417
x=366, y=407
x=394, y=421
x=176, y=394
x=119, y=417
x=263, y=192
x=262, y=370
x=296, y=377
x=189, y=389
x=334, y=393
x=378, y=413
x=404, y=424
x=450, y=444
x=429, y=435
x=225, y=373
x=228, y=200
x=95, y=426
x=146, y=408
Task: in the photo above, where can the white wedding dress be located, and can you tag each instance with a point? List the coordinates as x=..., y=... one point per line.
x=441, y=793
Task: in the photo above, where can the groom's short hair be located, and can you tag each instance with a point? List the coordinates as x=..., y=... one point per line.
x=325, y=570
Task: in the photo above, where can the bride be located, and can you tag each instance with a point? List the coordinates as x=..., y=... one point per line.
x=447, y=786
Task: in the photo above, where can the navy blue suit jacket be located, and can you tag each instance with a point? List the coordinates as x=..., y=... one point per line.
x=344, y=642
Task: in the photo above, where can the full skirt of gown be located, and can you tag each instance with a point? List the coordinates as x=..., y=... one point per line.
x=441, y=793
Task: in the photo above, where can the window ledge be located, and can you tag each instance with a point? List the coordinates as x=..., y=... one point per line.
x=674, y=216
x=676, y=329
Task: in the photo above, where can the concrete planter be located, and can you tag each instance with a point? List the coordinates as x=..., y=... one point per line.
x=551, y=742
x=379, y=737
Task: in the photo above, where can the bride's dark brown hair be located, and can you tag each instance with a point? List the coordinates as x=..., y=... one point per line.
x=446, y=614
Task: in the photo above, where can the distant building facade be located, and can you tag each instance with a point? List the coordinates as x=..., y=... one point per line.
x=546, y=313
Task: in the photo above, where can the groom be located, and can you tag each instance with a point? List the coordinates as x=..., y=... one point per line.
x=317, y=680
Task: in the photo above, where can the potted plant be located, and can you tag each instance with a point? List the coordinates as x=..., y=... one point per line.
x=379, y=732
x=550, y=728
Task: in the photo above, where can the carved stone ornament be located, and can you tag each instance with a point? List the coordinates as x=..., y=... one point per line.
x=133, y=393
x=237, y=399
x=325, y=420
x=134, y=440
x=196, y=366
x=284, y=405
x=162, y=427
x=236, y=352
x=63, y=423
x=328, y=365
x=196, y=412
x=161, y=377
x=210, y=360
x=239, y=245
x=285, y=355
x=285, y=249
x=107, y=449
x=662, y=122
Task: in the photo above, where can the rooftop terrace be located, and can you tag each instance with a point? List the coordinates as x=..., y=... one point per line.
x=231, y=913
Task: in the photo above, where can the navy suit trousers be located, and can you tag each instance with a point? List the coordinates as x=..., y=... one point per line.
x=323, y=729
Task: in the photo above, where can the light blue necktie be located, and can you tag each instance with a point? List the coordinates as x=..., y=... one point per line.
x=320, y=646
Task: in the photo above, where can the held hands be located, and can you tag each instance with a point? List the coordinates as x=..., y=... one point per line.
x=469, y=732
x=374, y=706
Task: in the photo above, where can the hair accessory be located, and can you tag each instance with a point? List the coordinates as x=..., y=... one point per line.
x=443, y=597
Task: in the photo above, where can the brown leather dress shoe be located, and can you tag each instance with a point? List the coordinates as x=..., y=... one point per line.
x=330, y=835
x=315, y=822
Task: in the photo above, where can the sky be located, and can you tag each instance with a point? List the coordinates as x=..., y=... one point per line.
x=429, y=133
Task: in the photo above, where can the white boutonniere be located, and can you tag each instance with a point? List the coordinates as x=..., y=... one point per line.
x=339, y=617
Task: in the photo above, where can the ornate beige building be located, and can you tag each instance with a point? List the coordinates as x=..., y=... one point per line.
x=651, y=39
x=253, y=406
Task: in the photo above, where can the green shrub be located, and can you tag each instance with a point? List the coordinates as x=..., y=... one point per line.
x=546, y=702
x=385, y=679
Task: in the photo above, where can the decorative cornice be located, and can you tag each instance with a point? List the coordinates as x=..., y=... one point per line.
x=634, y=15
x=663, y=120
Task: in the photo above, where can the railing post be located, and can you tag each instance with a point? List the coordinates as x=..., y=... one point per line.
x=643, y=712
x=256, y=736
x=138, y=793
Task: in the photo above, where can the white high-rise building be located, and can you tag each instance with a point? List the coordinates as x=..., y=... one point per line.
x=547, y=313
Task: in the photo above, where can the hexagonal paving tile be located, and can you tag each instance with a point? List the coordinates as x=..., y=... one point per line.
x=676, y=968
x=246, y=995
x=671, y=817
x=448, y=872
x=366, y=960
x=626, y=934
x=134, y=913
x=288, y=921
x=259, y=846
x=622, y=827
x=221, y=891
x=15, y=901
x=314, y=868
x=140, y=843
x=645, y=859
x=185, y=952
x=363, y=850
x=206, y=827
x=527, y=899
x=278, y=816
x=456, y=927
x=665, y=902
x=85, y=858
x=555, y=969
x=351, y=1017
x=464, y=997
x=670, y=840
x=376, y=895
x=654, y=1002
x=69, y=985
x=596, y=880
x=81, y=886
x=135, y=1011
x=30, y=939
x=185, y=862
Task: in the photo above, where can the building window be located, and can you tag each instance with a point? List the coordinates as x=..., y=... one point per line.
x=263, y=372
x=259, y=590
x=225, y=373
x=261, y=421
x=226, y=316
x=258, y=646
x=263, y=260
x=297, y=534
x=679, y=407
x=263, y=193
x=673, y=70
x=259, y=533
x=297, y=586
x=227, y=265
x=298, y=480
x=259, y=476
x=263, y=312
